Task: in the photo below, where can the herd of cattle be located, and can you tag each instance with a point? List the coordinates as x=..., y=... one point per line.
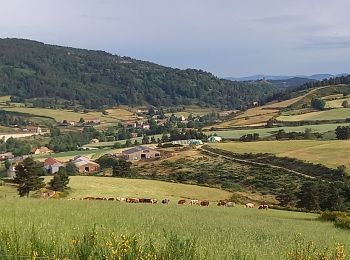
x=205, y=203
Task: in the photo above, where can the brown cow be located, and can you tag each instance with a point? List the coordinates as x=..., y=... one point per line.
x=88, y=198
x=111, y=199
x=181, y=202
x=222, y=203
x=264, y=207
x=204, y=203
x=132, y=200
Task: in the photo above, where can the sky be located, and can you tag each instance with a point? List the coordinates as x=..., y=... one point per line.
x=225, y=37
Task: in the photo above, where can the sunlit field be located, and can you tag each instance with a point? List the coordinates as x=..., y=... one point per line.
x=219, y=233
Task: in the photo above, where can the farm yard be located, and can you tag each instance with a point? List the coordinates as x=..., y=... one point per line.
x=212, y=232
x=330, y=153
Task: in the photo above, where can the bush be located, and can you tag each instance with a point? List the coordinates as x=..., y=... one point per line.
x=342, y=222
x=332, y=215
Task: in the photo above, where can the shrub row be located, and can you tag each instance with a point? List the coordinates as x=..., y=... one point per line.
x=340, y=219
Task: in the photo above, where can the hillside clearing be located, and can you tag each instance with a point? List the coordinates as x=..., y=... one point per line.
x=266, y=132
x=61, y=114
x=259, y=115
x=333, y=114
x=330, y=153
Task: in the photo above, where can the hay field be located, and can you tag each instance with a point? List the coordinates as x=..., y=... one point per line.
x=330, y=153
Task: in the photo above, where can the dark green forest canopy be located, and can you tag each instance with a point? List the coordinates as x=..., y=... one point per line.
x=30, y=69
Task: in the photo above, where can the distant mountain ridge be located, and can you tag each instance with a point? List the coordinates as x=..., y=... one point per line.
x=50, y=74
x=284, y=77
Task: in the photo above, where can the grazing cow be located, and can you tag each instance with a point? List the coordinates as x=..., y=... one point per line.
x=165, y=201
x=132, y=200
x=154, y=201
x=222, y=203
x=181, y=202
x=88, y=198
x=230, y=204
x=249, y=205
x=120, y=199
x=264, y=207
x=111, y=199
x=204, y=203
x=194, y=202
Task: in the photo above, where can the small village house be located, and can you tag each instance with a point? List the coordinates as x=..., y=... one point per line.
x=85, y=165
x=52, y=165
x=41, y=150
x=140, y=153
x=33, y=129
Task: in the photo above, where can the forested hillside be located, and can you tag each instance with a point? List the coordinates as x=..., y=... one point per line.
x=30, y=69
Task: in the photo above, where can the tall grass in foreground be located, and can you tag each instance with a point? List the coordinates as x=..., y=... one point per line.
x=66, y=228
x=95, y=244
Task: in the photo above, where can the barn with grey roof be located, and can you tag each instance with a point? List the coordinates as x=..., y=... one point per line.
x=140, y=153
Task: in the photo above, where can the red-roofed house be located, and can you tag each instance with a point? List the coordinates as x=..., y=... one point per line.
x=52, y=165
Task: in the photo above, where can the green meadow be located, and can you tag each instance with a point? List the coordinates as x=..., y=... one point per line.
x=217, y=233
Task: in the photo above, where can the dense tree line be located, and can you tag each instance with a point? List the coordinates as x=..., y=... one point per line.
x=12, y=118
x=70, y=141
x=18, y=147
x=31, y=69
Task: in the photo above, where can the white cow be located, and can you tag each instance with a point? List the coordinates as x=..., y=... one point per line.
x=194, y=202
x=249, y=205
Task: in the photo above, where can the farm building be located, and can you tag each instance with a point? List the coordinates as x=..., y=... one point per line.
x=85, y=165
x=187, y=142
x=52, y=165
x=214, y=139
x=140, y=153
x=33, y=129
x=41, y=150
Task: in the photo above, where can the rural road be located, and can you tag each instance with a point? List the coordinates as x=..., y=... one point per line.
x=257, y=163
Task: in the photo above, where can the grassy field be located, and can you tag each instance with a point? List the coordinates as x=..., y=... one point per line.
x=330, y=153
x=231, y=233
x=259, y=115
x=337, y=103
x=266, y=132
x=83, y=186
x=333, y=114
